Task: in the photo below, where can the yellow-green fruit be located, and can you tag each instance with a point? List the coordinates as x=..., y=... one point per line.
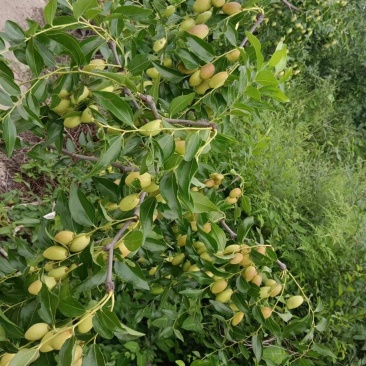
x=64, y=237
x=72, y=122
x=79, y=243
x=245, y=249
x=266, y=312
x=202, y=249
x=218, y=79
x=169, y=11
x=195, y=79
x=200, y=31
x=207, y=71
x=182, y=240
x=218, y=3
x=200, y=6
x=231, y=200
x=270, y=282
x=157, y=290
x=202, y=88
x=123, y=249
x=194, y=225
x=36, y=331
x=62, y=107
x=233, y=56
x=231, y=8
x=224, y=296
x=56, y=253
x=187, y=24
x=82, y=97
x=57, y=342
x=194, y=268
x=78, y=362
x=257, y=280
x=6, y=358
x=249, y=273
x=180, y=147
x=237, y=258
x=233, y=307
x=86, y=116
x=48, y=266
x=203, y=17
x=168, y=62
x=233, y=248
x=50, y=282
x=145, y=179
x=261, y=249
x=86, y=323
x=108, y=89
x=264, y=292
x=275, y=290
x=97, y=64
x=238, y=317
x=207, y=227
x=159, y=45
x=153, y=187
x=78, y=352
x=153, y=270
x=206, y=257
x=209, y=183
x=153, y=73
x=178, y=259
x=35, y=287
x=58, y=273
x=186, y=266
x=246, y=261
x=129, y=202
x=63, y=93
x=46, y=342
x=182, y=69
x=111, y=206
x=219, y=286
x=236, y=192
x=294, y=302
x=151, y=128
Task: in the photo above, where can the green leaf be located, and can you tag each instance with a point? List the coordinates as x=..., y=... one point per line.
x=133, y=12
x=106, y=188
x=147, y=209
x=257, y=47
x=219, y=235
x=2, y=44
x=257, y=347
x=266, y=77
x=169, y=189
x=67, y=352
x=202, y=49
x=131, y=274
x=202, y=203
x=11, y=329
x=5, y=99
x=100, y=327
x=49, y=303
x=9, y=135
x=138, y=64
x=50, y=11
x=189, y=59
x=82, y=211
x=34, y=59
x=170, y=74
x=275, y=354
x=185, y=172
x=323, y=351
x=192, y=323
x=70, y=307
x=107, y=157
x=193, y=143
x=9, y=85
x=24, y=357
x=94, y=356
x=93, y=281
x=116, y=105
x=133, y=240
x=14, y=32
x=81, y=6
x=178, y=104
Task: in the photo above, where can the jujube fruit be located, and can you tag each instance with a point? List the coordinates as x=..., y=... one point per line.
x=195, y=79
x=86, y=116
x=294, y=302
x=266, y=312
x=182, y=69
x=231, y=200
x=178, y=259
x=200, y=31
x=238, y=317
x=203, y=17
x=36, y=331
x=200, y=6
x=96, y=64
x=81, y=97
x=180, y=147
x=187, y=24
x=151, y=128
x=57, y=342
x=233, y=56
x=46, y=342
x=6, y=358
x=129, y=202
x=169, y=11
x=237, y=258
x=231, y=8
x=58, y=273
x=249, y=273
x=159, y=45
x=275, y=290
x=219, y=286
x=72, y=122
x=79, y=243
x=62, y=107
x=218, y=79
x=207, y=71
x=257, y=280
x=232, y=248
x=56, y=253
x=64, y=237
x=270, y=282
x=123, y=249
x=153, y=73
x=63, y=93
x=218, y=3
x=145, y=179
x=264, y=292
x=86, y=323
x=225, y=295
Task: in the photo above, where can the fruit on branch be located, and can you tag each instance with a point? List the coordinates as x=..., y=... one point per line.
x=294, y=302
x=207, y=227
x=86, y=116
x=203, y=17
x=156, y=290
x=36, y=286
x=200, y=31
x=169, y=11
x=194, y=225
x=206, y=257
x=202, y=88
x=187, y=24
x=168, y=62
x=59, y=273
x=245, y=249
x=72, y=122
x=46, y=341
x=261, y=249
x=82, y=97
x=266, y=312
x=36, y=331
x=153, y=73
x=194, y=268
x=218, y=3
x=233, y=56
x=231, y=200
x=257, y=279
x=275, y=290
x=178, y=259
x=96, y=64
x=182, y=69
x=78, y=352
x=6, y=358
x=238, y=257
x=153, y=187
x=249, y=273
x=200, y=6
x=218, y=79
x=238, y=317
x=219, y=286
x=236, y=192
x=224, y=296
x=63, y=335
x=64, y=237
x=209, y=183
x=123, y=249
x=270, y=282
x=195, y=79
x=56, y=253
x=85, y=324
x=63, y=93
x=232, y=248
x=129, y=202
x=79, y=243
x=264, y=292
x=151, y=128
x=207, y=71
x=109, y=88
x=246, y=261
x=180, y=147
x=62, y=107
x=231, y=8
x=144, y=179
x=159, y=45
x=182, y=240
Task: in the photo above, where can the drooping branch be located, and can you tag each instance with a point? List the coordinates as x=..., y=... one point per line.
x=291, y=6
x=254, y=27
x=122, y=168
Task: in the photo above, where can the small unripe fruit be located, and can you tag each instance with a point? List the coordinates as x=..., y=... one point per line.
x=153, y=187
x=202, y=249
x=233, y=248
x=194, y=226
x=207, y=71
x=261, y=249
x=231, y=200
x=78, y=362
x=152, y=271
x=264, y=292
x=159, y=45
x=218, y=3
x=35, y=287
x=182, y=240
x=78, y=353
x=231, y=8
x=180, y=147
x=62, y=107
x=207, y=227
x=209, y=183
x=200, y=6
x=237, y=258
x=157, y=290
x=36, y=331
x=270, y=282
x=238, y=317
x=294, y=302
x=195, y=79
x=246, y=261
x=194, y=268
x=109, y=89
x=203, y=17
x=63, y=93
x=79, y=243
x=182, y=69
x=48, y=266
x=206, y=257
x=169, y=11
x=275, y=290
x=64, y=237
x=50, y=282
x=129, y=202
x=145, y=179
x=111, y=206
x=257, y=280
x=233, y=56
x=72, y=122
x=46, y=342
x=86, y=116
x=219, y=286
x=249, y=273
x=178, y=259
x=218, y=80
x=151, y=128
x=56, y=253
x=82, y=97
x=186, y=266
x=57, y=342
x=200, y=31
x=86, y=323
x=266, y=312
x=168, y=62
x=97, y=64
x=6, y=358
x=58, y=273
x=233, y=307
x=224, y=296
x=198, y=245
x=203, y=87
x=245, y=249
x=152, y=73
x=187, y=24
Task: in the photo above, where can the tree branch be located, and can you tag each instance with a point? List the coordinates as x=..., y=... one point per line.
x=293, y=7
x=3, y=253
x=227, y=228
x=200, y=123
x=254, y=27
x=148, y=99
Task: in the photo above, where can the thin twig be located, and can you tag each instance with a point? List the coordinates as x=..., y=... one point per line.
x=3, y=253
x=113, y=48
x=148, y=99
x=122, y=168
x=200, y=123
x=228, y=229
x=293, y=7
x=254, y=27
